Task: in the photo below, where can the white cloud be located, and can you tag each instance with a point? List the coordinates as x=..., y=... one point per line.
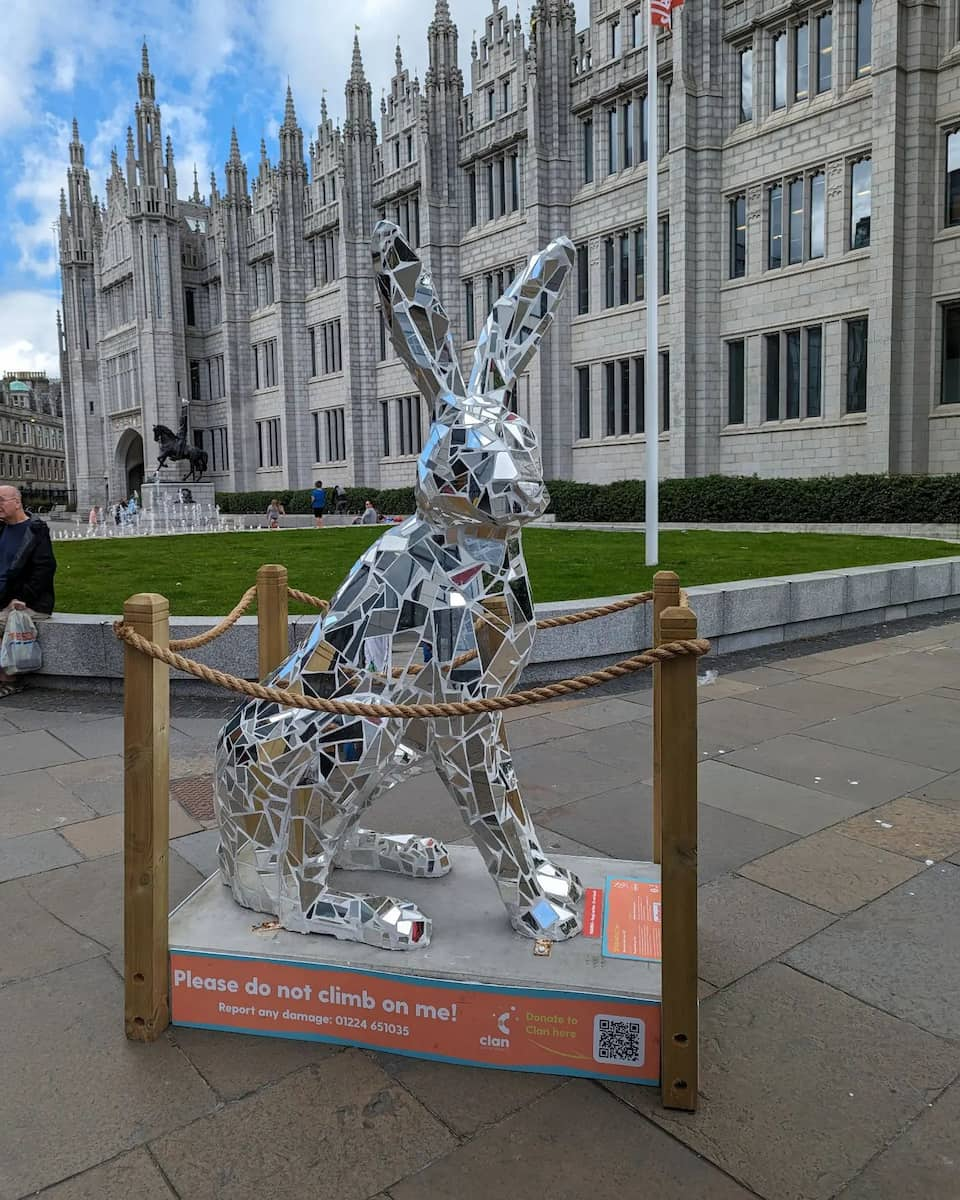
x=28, y=331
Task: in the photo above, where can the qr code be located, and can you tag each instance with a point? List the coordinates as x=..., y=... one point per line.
x=618, y=1040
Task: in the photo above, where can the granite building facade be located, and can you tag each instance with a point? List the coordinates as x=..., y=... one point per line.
x=809, y=253
x=32, y=456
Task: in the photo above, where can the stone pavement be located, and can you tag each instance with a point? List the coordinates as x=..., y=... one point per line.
x=830, y=965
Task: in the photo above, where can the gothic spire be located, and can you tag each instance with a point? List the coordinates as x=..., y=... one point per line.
x=146, y=84
x=235, y=159
x=196, y=187
x=398, y=57
x=356, y=67
x=289, y=112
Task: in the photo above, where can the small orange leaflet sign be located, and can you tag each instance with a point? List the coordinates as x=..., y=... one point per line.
x=631, y=920
x=567, y=1033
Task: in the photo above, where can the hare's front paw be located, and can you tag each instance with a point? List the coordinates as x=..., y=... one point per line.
x=401, y=853
x=381, y=921
x=557, y=914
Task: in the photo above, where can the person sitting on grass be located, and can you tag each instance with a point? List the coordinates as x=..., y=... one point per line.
x=27, y=566
x=274, y=513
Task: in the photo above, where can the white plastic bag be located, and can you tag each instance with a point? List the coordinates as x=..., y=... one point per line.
x=20, y=650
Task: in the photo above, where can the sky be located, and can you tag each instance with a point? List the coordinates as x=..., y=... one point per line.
x=217, y=63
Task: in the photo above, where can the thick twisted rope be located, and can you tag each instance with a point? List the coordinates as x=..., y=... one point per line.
x=459, y=708
x=221, y=626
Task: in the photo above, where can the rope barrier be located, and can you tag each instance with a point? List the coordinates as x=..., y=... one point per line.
x=461, y=708
x=234, y=615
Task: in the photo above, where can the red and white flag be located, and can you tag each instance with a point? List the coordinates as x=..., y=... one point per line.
x=660, y=11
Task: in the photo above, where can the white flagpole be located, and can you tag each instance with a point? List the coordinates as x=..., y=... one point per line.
x=651, y=412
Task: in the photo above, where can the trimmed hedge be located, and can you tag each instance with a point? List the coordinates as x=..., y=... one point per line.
x=837, y=499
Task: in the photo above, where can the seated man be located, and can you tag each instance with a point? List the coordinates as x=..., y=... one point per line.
x=27, y=567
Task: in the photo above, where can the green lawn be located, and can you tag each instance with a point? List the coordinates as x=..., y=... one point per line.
x=205, y=574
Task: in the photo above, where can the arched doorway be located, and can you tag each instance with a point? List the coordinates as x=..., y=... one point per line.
x=129, y=460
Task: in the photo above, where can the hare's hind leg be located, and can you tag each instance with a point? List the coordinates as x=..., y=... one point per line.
x=474, y=761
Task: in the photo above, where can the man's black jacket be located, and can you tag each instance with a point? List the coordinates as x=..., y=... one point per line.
x=30, y=577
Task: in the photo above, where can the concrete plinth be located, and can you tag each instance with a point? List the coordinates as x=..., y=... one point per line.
x=479, y=994
x=158, y=496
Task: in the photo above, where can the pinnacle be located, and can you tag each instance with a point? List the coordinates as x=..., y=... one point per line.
x=356, y=66
x=399, y=56
x=129, y=139
x=289, y=112
x=76, y=130
x=442, y=11
x=144, y=59
x=234, y=146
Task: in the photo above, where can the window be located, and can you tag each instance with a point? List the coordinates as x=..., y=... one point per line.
x=625, y=396
x=334, y=449
x=772, y=349
x=627, y=119
x=824, y=52
x=325, y=349
x=950, y=376
x=795, y=239
x=624, y=272
x=408, y=424
x=610, y=398
x=583, y=280
x=793, y=375
x=472, y=196
x=780, y=70
x=738, y=237
x=491, y=212
x=860, y=204
x=801, y=61
x=864, y=36
x=502, y=186
x=195, y=381
x=613, y=156
x=639, y=393
x=636, y=27
x=609, y=274
x=268, y=442
x=664, y=256
x=385, y=427
x=382, y=339
x=643, y=129
x=265, y=364
x=857, y=365
x=953, y=178
x=190, y=307
x=586, y=126
x=814, y=370
x=323, y=260
x=396, y=155
x=491, y=105
x=817, y=238
x=263, y=282
x=775, y=221
x=638, y=262
x=746, y=84
x=469, y=316
x=665, y=390
x=583, y=402
x=409, y=147
x=507, y=104
x=614, y=38
x=514, y=182
x=736, y=384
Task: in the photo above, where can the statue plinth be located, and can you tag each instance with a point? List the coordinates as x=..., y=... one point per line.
x=158, y=494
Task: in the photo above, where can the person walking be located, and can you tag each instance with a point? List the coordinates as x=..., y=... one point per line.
x=274, y=512
x=318, y=498
x=27, y=567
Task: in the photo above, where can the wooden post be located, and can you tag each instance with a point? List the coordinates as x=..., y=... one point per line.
x=273, y=643
x=146, y=822
x=666, y=594
x=678, y=871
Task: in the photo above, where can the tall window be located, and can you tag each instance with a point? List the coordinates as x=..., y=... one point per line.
x=637, y=27
x=817, y=240
x=860, y=204
x=507, y=100
x=514, y=182
x=268, y=443
x=864, y=36
x=624, y=365
x=814, y=370
x=472, y=196
x=613, y=147
x=801, y=61
x=265, y=364
x=628, y=145
x=614, y=38
x=490, y=104
x=795, y=243
x=583, y=280
x=189, y=297
x=857, y=365
x=610, y=398
x=644, y=109
x=408, y=424
x=793, y=375
x=736, y=383
x=624, y=272
x=639, y=249
x=502, y=182
x=583, y=402
x=950, y=375
x=772, y=350
x=491, y=209
x=325, y=348
x=952, y=216
x=385, y=428
x=738, y=237
x=664, y=256
x=746, y=84
x=586, y=126
x=780, y=70
x=665, y=390
x=775, y=221
x=468, y=309
x=609, y=274
x=824, y=52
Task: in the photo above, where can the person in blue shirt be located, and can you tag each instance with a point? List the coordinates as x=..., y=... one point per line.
x=318, y=498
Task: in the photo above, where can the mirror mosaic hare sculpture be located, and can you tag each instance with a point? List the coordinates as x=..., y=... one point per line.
x=292, y=784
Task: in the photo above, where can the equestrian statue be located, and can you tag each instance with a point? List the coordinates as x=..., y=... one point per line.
x=174, y=446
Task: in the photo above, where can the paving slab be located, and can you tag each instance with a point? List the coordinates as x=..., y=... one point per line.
x=763, y=677
x=34, y=942
x=851, y=774
x=88, y=738
x=75, y=1091
x=575, y=1141
x=601, y=713
x=550, y=777
x=903, y=674
x=420, y=804
x=104, y=835
x=88, y=770
x=901, y=953
x=908, y=826
x=943, y=791
x=831, y=871
x=33, y=750
x=537, y=730
x=720, y=688
x=87, y=896
x=801, y=1085
x=923, y=1163
x=6, y=727
x=134, y=1174
x=200, y=850
x=25, y=717
x=33, y=852
x=34, y=800
x=893, y=733
x=743, y=925
x=340, y=1130
x=810, y=664
x=729, y=724
x=772, y=801
x=816, y=700
x=464, y=1098
x=235, y=1065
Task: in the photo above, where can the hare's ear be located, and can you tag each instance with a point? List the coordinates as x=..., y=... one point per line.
x=520, y=318
x=419, y=328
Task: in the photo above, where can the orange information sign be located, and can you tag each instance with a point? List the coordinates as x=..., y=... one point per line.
x=566, y=1033
x=631, y=920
